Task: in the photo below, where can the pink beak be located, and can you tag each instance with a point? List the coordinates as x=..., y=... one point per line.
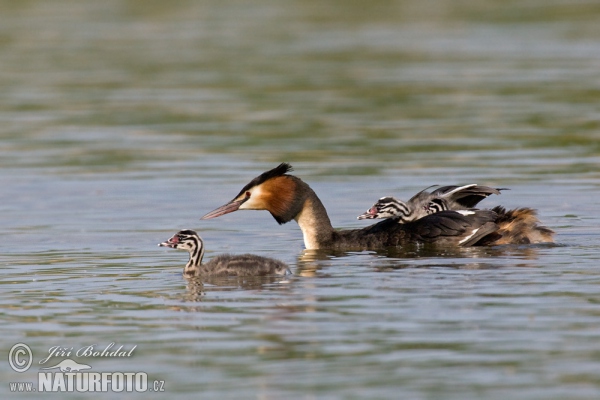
x=370, y=214
x=224, y=209
x=172, y=242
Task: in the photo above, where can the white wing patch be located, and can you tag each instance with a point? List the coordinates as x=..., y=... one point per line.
x=468, y=237
x=465, y=212
x=458, y=189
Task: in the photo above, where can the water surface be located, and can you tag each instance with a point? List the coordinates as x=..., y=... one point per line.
x=124, y=122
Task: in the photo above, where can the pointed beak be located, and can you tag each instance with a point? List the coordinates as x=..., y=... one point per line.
x=169, y=243
x=370, y=214
x=224, y=209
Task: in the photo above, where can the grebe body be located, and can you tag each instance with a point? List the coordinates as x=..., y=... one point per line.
x=223, y=265
x=288, y=198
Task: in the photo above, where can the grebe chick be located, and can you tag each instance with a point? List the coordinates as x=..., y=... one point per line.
x=401, y=212
x=223, y=265
x=287, y=197
x=424, y=203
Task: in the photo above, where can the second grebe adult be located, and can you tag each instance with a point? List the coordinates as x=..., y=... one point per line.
x=223, y=265
x=425, y=203
x=287, y=197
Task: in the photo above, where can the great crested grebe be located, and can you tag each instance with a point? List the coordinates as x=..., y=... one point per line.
x=425, y=203
x=287, y=197
x=223, y=265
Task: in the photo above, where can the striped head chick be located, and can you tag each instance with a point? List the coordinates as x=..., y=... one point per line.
x=189, y=241
x=389, y=207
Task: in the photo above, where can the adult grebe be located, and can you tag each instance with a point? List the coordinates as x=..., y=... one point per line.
x=223, y=265
x=425, y=203
x=287, y=197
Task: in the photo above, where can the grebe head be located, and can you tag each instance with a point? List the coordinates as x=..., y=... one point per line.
x=189, y=241
x=183, y=240
x=388, y=207
x=274, y=191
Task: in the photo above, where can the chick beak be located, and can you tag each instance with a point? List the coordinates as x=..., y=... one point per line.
x=370, y=214
x=169, y=243
x=224, y=209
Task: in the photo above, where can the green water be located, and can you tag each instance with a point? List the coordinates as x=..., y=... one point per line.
x=126, y=121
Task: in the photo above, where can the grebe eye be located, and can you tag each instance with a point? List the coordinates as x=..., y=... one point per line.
x=247, y=194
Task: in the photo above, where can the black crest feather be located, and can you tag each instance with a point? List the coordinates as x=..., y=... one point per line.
x=279, y=170
x=187, y=232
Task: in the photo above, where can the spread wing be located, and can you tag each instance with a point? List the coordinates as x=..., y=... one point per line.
x=467, y=196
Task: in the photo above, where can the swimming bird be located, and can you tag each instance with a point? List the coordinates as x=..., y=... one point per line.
x=425, y=203
x=223, y=265
x=287, y=197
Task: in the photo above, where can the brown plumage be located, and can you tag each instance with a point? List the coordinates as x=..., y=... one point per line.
x=225, y=264
x=518, y=226
x=287, y=197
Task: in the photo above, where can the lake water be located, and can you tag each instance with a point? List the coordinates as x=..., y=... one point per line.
x=123, y=122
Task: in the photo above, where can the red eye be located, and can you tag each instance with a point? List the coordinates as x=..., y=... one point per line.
x=247, y=194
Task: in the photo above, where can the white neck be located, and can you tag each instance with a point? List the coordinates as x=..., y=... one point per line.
x=314, y=223
x=196, y=255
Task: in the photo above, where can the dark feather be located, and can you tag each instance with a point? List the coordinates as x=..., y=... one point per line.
x=449, y=226
x=467, y=197
x=279, y=170
x=443, y=228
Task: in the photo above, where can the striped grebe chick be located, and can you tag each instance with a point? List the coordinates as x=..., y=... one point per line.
x=400, y=211
x=287, y=197
x=225, y=264
x=425, y=203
